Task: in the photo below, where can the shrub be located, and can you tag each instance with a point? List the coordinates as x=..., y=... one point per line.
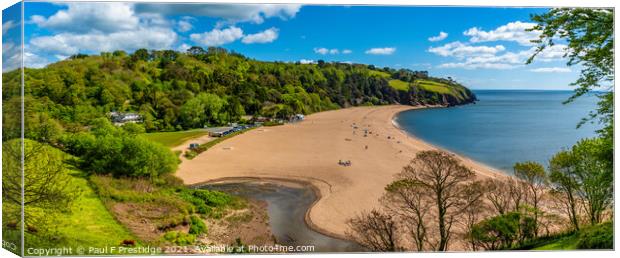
x=600, y=236
x=502, y=231
x=179, y=238
x=197, y=226
x=213, y=204
x=110, y=150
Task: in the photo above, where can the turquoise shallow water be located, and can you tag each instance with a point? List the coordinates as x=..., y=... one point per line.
x=505, y=127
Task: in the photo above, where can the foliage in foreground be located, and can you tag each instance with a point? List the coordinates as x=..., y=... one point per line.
x=107, y=149
x=599, y=236
x=61, y=209
x=176, y=211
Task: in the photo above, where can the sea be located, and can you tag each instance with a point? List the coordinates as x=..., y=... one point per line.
x=505, y=126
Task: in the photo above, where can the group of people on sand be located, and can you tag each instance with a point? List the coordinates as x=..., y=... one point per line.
x=345, y=163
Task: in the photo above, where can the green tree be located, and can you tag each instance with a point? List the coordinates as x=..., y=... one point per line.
x=595, y=178
x=563, y=179
x=111, y=150
x=502, y=231
x=533, y=174
x=47, y=188
x=590, y=36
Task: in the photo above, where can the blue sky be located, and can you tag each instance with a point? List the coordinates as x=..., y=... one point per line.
x=484, y=48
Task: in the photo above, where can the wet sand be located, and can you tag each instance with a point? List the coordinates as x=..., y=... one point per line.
x=309, y=152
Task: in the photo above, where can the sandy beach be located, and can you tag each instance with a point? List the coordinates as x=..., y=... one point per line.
x=309, y=151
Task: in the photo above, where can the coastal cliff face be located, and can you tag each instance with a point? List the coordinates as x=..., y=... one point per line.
x=459, y=95
x=429, y=91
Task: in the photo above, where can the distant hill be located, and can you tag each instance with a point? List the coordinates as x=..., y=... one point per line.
x=174, y=90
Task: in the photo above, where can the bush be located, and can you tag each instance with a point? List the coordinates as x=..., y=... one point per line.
x=502, y=231
x=179, y=238
x=600, y=236
x=110, y=150
x=197, y=226
x=211, y=203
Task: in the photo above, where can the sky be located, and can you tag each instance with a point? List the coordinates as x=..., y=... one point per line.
x=483, y=48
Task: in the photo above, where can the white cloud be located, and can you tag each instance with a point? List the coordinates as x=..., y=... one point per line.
x=513, y=31
x=266, y=36
x=86, y=17
x=465, y=65
x=183, y=47
x=381, y=51
x=347, y=51
x=96, y=27
x=306, y=61
x=551, y=70
x=32, y=60
x=507, y=60
x=442, y=35
x=475, y=56
x=11, y=56
x=231, y=13
x=185, y=24
x=6, y=26
x=557, y=51
x=69, y=43
x=325, y=51
x=217, y=37
x=460, y=50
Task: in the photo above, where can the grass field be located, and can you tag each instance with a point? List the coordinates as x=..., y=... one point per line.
x=173, y=139
x=563, y=243
x=590, y=237
x=90, y=223
x=379, y=73
x=399, y=85
x=434, y=86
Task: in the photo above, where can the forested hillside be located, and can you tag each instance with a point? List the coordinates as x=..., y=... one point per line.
x=174, y=90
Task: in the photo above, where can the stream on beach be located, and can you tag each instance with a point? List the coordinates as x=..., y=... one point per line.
x=287, y=206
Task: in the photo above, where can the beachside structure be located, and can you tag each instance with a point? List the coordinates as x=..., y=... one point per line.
x=297, y=118
x=219, y=131
x=120, y=118
x=226, y=130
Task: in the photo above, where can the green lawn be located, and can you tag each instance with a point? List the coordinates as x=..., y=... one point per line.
x=399, y=85
x=590, y=237
x=434, y=86
x=564, y=243
x=173, y=139
x=379, y=73
x=90, y=223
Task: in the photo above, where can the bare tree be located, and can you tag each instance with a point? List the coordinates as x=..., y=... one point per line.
x=409, y=201
x=496, y=192
x=517, y=191
x=535, y=179
x=442, y=176
x=473, y=213
x=375, y=231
